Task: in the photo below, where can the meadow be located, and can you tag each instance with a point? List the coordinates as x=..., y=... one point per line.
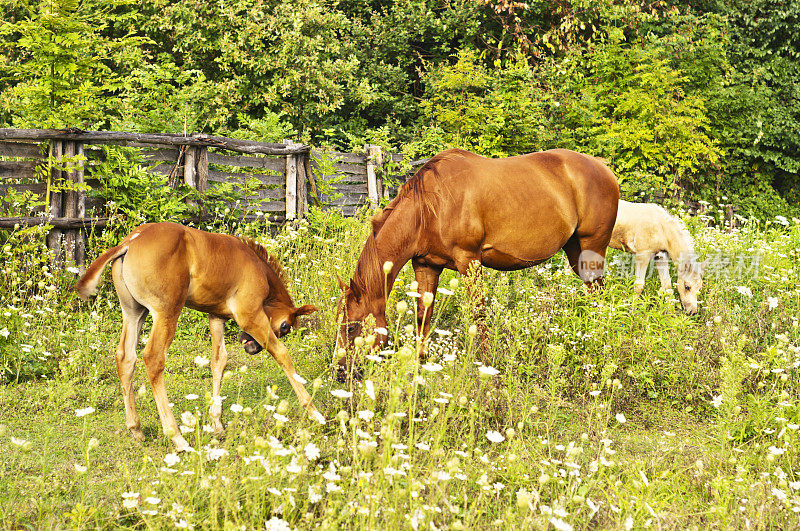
x=598, y=410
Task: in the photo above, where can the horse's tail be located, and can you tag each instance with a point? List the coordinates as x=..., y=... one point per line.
x=87, y=285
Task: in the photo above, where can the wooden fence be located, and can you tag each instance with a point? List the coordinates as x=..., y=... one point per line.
x=289, y=176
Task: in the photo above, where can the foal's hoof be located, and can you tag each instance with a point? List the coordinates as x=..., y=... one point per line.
x=137, y=434
x=250, y=345
x=181, y=445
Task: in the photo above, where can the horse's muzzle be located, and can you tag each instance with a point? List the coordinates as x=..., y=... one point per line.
x=346, y=369
x=250, y=345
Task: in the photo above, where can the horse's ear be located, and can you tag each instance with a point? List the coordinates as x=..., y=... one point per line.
x=702, y=266
x=342, y=285
x=355, y=290
x=305, y=309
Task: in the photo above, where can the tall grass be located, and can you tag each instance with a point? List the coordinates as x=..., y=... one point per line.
x=579, y=410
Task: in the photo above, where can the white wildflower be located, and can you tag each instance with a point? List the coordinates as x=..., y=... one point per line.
x=744, y=290
x=495, y=436
x=486, y=370
x=312, y=451
x=560, y=524
x=277, y=524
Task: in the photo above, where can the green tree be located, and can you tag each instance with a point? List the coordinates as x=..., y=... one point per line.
x=496, y=111
x=56, y=69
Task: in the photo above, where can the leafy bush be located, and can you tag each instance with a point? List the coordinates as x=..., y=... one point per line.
x=495, y=112
x=134, y=195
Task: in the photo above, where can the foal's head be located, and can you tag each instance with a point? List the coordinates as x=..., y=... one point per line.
x=280, y=309
x=690, y=282
x=282, y=318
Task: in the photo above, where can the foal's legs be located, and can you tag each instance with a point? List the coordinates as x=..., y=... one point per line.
x=219, y=358
x=428, y=279
x=257, y=325
x=641, y=263
x=133, y=315
x=662, y=266
x=155, y=352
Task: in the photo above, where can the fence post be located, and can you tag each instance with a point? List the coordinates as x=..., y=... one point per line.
x=80, y=208
x=201, y=176
x=291, y=184
x=54, y=237
x=302, y=183
x=70, y=200
x=202, y=168
x=189, y=175
x=374, y=160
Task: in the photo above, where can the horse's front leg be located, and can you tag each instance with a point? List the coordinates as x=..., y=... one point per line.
x=427, y=278
x=641, y=262
x=662, y=267
x=257, y=324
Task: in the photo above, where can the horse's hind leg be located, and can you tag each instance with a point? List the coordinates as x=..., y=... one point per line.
x=133, y=316
x=587, y=255
x=155, y=352
x=219, y=358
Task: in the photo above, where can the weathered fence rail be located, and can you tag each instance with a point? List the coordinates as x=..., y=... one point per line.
x=289, y=176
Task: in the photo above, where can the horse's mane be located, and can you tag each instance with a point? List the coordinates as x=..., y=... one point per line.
x=414, y=188
x=268, y=259
x=369, y=270
x=682, y=245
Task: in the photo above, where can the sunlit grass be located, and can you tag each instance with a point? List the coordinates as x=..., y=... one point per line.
x=602, y=410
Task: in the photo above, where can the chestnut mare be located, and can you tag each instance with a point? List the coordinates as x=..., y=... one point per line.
x=160, y=268
x=508, y=214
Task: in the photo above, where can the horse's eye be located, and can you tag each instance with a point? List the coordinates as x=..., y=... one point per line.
x=687, y=287
x=285, y=328
x=351, y=328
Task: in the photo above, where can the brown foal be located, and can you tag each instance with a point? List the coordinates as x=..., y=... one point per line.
x=507, y=214
x=161, y=267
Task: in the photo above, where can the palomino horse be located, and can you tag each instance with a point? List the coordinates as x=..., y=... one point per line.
x=160, y=268
x=508, y=214
x=647, y=230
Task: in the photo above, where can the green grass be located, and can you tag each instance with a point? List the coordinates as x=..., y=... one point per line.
x=603, y=403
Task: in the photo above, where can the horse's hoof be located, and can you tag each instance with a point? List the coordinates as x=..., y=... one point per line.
x=137, y=434
x=344, y=373
x=181, y=445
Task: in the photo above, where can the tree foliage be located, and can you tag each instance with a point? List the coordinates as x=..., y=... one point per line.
x=698, y=98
